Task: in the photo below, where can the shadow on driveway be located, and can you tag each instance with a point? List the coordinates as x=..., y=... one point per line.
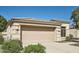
x=75, y=44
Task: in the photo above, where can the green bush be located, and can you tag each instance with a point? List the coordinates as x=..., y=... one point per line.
x=1, y=40
x=12, y=46
x=71, y=36
x=34, y=49
x=68, y=38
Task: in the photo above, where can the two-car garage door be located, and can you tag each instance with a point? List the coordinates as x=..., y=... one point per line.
x=34, y=34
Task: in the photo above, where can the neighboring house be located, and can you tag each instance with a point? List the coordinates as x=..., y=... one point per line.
x=36, y=31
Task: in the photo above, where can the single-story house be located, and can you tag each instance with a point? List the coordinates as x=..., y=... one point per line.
x=30, y=30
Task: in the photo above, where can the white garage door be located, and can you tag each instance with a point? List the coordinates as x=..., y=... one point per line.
x=32, y=34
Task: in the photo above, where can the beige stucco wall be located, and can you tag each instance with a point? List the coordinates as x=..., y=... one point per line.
x=58, y=33
x=12, y=33
x=75, y=33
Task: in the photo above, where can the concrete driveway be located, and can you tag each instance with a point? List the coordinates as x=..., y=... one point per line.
x=67, y=47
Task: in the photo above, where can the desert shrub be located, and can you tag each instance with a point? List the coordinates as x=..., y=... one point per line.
x=68, y=38
x=12, y=46
x=34, y=49
x=1, y=40
x=71, y=36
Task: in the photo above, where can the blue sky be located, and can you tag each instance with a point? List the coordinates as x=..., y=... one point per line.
x=42, y=12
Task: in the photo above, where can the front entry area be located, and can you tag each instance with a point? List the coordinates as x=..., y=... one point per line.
x=37, y=34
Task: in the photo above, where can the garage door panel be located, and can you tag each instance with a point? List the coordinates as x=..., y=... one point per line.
x=29, y=36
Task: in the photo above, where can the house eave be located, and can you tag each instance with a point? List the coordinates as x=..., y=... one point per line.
x=31, y=21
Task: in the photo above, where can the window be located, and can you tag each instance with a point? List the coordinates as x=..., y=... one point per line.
x=63, y=31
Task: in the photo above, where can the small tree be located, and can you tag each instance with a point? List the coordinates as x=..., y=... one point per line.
x=75, y=17
x=3, y=23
